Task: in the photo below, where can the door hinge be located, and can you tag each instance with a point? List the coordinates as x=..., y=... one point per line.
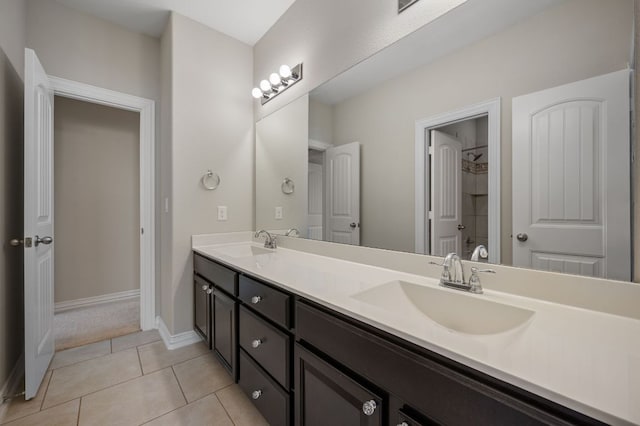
x=430, y=150
x=430, y=215
x=141, y=231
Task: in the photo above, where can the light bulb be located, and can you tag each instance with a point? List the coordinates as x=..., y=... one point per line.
x=265, y=86
x=274, y=79
x=256, y=93
x=285, y=71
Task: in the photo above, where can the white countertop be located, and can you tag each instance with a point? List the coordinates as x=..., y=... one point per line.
x=585, y=360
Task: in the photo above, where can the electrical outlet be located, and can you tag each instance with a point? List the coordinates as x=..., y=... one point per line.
x=222, y=212
x=278, y=213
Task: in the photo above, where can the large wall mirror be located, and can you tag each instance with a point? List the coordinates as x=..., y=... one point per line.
x=503, y=123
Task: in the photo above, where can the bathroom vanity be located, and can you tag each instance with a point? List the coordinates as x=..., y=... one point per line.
x=314, y=340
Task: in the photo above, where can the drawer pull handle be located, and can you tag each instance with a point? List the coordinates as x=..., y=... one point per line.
x=369, y=407
x=256, y=394
x=256, y=343
x=205, y=287
x=256, y=299
x=403, y=424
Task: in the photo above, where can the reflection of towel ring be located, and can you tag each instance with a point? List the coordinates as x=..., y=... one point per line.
x=287, y=186
x=210, y=180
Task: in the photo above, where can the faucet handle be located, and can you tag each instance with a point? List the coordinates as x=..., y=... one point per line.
x=475, y=270
x=436, y=263
x=474, y=280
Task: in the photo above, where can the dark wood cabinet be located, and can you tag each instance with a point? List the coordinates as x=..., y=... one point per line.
x=327, y=396
x=341, y=371
x=202, y=291
x=224, y=329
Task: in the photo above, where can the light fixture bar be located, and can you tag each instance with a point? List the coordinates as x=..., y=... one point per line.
x=277, y=83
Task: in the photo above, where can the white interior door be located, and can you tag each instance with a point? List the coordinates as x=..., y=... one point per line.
x=571, y=174
x=314, y=228
x=446, y=194
x=38, y=223
x=342, y=168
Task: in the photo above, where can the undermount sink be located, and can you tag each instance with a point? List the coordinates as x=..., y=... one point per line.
x=242, y=250
x=454, y=310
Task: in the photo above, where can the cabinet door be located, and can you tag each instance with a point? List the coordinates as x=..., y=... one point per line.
x=326, y=396
x=202, y=308
x=224, y=329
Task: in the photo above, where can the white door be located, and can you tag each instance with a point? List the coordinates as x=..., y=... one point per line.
x=38, y=223
x=446, y=194
x=314, y=228
x=571, y=174
x=342, y=167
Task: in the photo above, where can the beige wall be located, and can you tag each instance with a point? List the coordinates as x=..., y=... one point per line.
x=504, y=65
x=164, y=296
x=80, y=47
x=320, y=122
x=97, y=200
x=211, y=128
x=330, y=36
x=12, y=44
x=282, y=151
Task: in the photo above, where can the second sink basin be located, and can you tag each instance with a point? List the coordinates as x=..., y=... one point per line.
x=452, y=309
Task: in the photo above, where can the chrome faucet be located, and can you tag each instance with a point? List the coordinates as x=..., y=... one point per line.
x=291, y=231
x=480, y=252
x=453, y=275
x=269, y=240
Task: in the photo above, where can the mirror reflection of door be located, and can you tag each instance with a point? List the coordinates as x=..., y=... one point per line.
x=571, y=187
x=316, y=195
x=342, y=192
x=459, y=187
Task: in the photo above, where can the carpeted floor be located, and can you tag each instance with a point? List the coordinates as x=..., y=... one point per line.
x=81, y=326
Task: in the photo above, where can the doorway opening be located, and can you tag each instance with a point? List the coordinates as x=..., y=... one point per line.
x=457, y=182
x=97, y=214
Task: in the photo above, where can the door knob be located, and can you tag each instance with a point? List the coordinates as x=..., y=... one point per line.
x=15, y=242
x=461, y=227
x=43, y=240
x=353, y=225
x=522, y=237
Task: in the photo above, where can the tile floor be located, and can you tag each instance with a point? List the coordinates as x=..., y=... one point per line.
x=135, y=380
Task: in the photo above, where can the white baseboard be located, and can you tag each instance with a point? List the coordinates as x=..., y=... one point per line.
x=177, y=340
x=12, y=385
x=96, y=300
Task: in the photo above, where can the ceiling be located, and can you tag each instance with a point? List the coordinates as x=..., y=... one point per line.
x=244, y=20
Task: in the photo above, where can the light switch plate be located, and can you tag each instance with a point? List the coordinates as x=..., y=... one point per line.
x=222, y=213
x=278, y=213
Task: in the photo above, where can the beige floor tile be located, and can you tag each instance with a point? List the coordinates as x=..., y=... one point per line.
x=134, y=339
x=79, y=379
x=155, y=356
x=133, y=402
x=18, y=407
x=82, y=353
x=240, y=409
x=60, y=415
x=206, y=411
x=201, y=376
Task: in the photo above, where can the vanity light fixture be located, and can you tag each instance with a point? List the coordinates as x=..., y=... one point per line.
x=277, y=83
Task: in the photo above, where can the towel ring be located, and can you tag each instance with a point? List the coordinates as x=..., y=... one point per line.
x=287, y=186
x=210, y=180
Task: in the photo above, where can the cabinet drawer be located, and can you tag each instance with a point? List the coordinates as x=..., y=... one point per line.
x=271, y=400
x=270, y=302
x=269, y=346
x=219, y=275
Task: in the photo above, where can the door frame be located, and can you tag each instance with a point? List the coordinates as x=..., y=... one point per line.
x=146, y=109
x=492, y=109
